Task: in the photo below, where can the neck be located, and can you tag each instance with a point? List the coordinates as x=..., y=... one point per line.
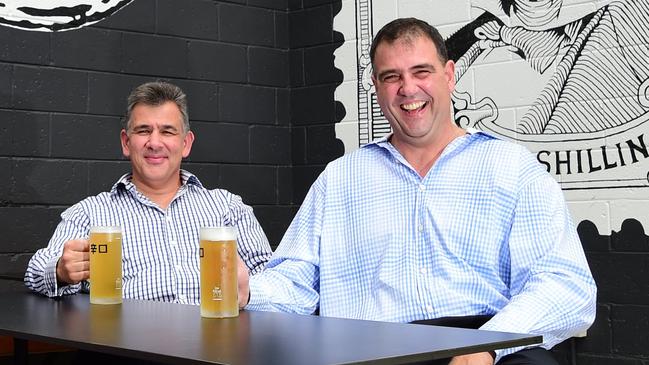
x=161, y=194
x=423, y=157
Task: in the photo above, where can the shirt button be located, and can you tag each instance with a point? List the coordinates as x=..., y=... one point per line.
x=423, y=271
x=422, y=187
x=178, y=268
x=420, y=227
x=429, y=308
x=182, y=297
x=172, y=242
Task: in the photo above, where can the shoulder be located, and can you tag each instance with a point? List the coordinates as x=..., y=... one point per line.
x=493, y=144
x=89, y=205
x=368, y=157
x=221, y=200
x=197, y=190
x=508, y=154
x=510, y=165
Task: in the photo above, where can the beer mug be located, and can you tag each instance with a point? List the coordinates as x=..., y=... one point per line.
x=218, y=260
x=105, y=265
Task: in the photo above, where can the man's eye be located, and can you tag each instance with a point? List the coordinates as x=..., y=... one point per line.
x=390, y=78
x=168, y=133
x=422, y=73
x=142, y=132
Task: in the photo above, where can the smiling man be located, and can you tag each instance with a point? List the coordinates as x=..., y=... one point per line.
x=158, y=206
x=431, y=223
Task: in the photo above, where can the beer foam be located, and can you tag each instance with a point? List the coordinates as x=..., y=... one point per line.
x=105, y=229
x=218, y=233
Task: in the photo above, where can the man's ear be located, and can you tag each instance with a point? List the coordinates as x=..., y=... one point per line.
x=123, y=136
x=187, y=143
x=449, y=71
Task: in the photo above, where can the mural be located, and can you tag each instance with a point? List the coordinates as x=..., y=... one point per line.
x=568, y=79
x=56, y=15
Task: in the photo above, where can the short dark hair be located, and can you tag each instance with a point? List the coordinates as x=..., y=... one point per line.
x=409, y=28
x=157, y=93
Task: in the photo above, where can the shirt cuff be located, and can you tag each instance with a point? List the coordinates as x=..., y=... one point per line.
x=51, y=284
x=258, y=297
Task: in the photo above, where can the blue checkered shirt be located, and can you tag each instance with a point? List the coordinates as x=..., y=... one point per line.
x=160, y=247
x=485, y=232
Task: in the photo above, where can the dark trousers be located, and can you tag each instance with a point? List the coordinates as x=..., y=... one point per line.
x=529, y=356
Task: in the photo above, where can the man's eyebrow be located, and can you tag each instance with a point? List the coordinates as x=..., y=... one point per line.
x=422, y=66
x=427, y=66
x=141, y=126
x=162, y=127
x=167, y=127
x=385, y=72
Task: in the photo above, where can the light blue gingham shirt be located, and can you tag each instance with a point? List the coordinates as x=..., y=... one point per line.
x=160, y=258
x=486, y=231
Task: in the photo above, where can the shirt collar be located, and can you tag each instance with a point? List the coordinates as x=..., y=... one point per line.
x=126, y=181
x=384, y=143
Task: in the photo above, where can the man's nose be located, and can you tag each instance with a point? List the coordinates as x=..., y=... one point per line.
x=408, y=86
x=154, y=139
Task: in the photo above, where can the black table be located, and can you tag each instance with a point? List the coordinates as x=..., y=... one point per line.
x=175, y=333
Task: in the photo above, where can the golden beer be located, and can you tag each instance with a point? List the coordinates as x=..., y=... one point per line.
x=105, y=265
x=218, y=257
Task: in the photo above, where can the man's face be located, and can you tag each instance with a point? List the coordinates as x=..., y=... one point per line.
x=414, y=88
x=156, y=144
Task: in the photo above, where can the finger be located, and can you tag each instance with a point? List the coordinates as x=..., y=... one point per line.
x=85, y=275
x=85, y=266
x=241, y=266
x=243, y=281
x=79, y=276
x=77, y=245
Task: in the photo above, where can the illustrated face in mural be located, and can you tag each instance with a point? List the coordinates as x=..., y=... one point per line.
x=156, y=143
x=413, y=88
x=56, y=15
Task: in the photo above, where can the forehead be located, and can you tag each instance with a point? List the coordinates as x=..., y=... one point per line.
x=166, y=114
x=405, y=52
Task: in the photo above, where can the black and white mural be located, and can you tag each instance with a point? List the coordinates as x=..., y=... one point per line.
x=568, y=79
x=43, y=15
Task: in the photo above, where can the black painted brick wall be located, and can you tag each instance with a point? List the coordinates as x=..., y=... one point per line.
x=313, y=80
x=620, y=265
x=62, y=97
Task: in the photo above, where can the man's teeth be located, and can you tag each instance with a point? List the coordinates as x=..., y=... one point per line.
x=413, y=106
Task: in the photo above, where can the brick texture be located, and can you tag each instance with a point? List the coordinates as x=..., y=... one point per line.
x=153, y=55
x=247, y=104
x=63, y=96
x=268, y=66
x=247, y=25
x=309, y=27
x=41, y=88
x=85, y=136
x=231, y=59
x=20, y=234
x=220, y=142
x=24, y=133
x=139, y=16
x=24, y=47
x=192, y=19
x=88, y=48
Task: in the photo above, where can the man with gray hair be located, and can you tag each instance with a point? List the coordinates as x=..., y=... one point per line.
x=159, y=208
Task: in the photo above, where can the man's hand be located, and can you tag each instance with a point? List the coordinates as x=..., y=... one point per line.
x=480, y=358
x=74, y=264
x=244, y=288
